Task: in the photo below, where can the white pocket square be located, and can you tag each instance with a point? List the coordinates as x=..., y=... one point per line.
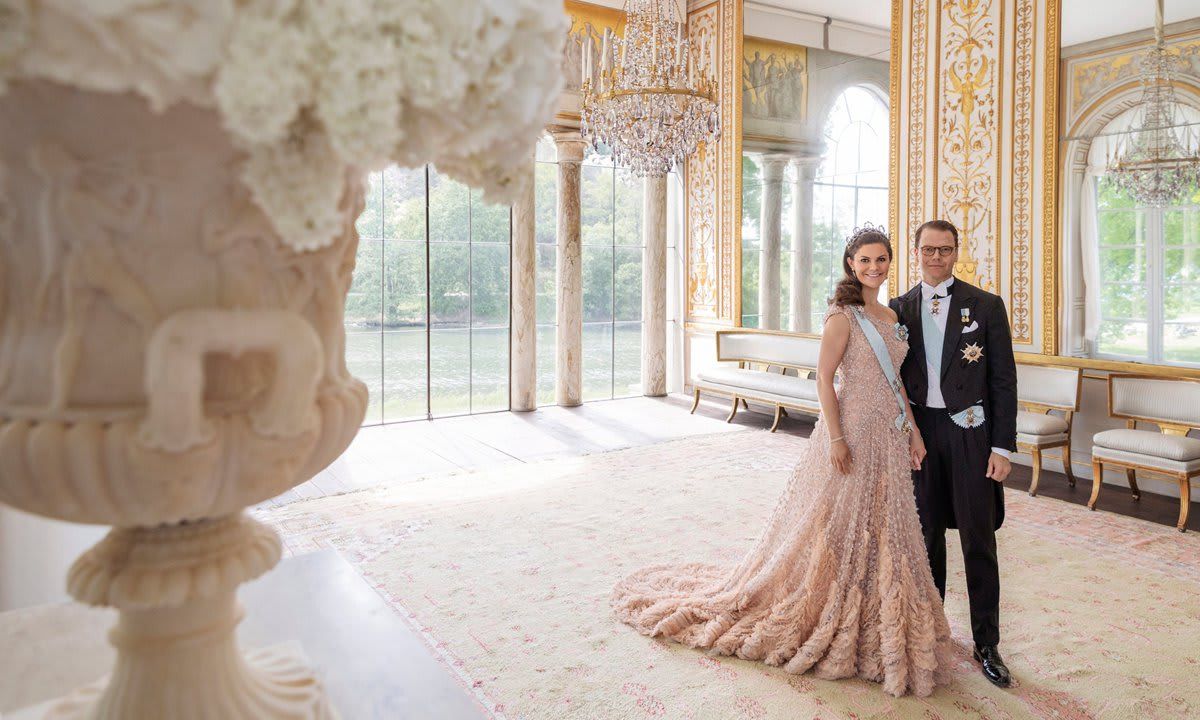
x=972, y=327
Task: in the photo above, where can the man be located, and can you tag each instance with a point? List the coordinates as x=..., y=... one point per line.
x=962, y=381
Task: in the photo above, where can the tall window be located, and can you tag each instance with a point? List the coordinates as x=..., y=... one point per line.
x=546, y=230
x=427, y=314
x=1149, y=278
x=851, y=184
x=611, y=237
x=611, y=234
x=752, y=243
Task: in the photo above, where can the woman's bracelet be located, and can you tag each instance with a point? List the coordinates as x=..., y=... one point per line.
x=839, y=437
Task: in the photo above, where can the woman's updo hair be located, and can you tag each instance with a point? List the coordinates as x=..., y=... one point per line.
x=849, y=290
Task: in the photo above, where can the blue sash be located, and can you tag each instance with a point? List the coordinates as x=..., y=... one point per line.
x=885, y=363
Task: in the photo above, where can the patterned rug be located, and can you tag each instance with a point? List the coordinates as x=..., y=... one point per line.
x=506, y=574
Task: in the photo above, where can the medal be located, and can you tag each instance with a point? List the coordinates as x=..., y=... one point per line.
x=936, y=305
x=972, y=353
x=966, y=316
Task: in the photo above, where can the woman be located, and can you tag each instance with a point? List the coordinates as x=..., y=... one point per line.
x=839, y=582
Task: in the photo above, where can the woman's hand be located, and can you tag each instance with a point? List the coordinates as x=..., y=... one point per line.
x=916, y=449
x=839, y=456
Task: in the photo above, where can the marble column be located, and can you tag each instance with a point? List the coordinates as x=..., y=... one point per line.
x=770, y=235
x=523, y=334
x=802, y=243
x=568, y=389
x=654, y=286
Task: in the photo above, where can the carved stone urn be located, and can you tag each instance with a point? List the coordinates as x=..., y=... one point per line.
x=165, y=362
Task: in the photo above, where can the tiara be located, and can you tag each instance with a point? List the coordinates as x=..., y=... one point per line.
x=864, y=229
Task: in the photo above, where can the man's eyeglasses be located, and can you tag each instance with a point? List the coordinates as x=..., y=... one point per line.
x=944, y=251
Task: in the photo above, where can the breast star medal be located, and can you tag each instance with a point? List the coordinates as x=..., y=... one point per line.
x=972, y=353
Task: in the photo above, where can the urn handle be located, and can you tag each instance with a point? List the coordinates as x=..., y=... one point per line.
x=174, y=375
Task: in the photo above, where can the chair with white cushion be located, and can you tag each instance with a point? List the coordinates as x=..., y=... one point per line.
x=756, y=353
x=1173, y=404
x=1042, y=390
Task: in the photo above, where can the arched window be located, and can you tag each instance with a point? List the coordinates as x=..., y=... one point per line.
x=851, y=186
x=1141, y=266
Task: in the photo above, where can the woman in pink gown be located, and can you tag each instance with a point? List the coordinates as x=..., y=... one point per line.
x=839, y=582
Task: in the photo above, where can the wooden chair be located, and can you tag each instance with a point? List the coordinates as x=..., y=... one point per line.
x=1171, y=404
x=1042, y=389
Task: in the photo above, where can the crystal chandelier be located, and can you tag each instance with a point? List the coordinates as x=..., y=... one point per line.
x=647, y=102
x=1151, y=163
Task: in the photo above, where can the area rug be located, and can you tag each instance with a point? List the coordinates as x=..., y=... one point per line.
x=507, y=573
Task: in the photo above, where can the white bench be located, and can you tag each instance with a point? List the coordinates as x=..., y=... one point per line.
x=763, y=357
x=1042, y=389
x=1171, y=404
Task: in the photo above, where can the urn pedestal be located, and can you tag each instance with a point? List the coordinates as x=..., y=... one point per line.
x=166, y=360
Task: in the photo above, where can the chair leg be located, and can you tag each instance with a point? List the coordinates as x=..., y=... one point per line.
x=745, y=404
x=1097, y=479
x=733, y=410
x=784, y=411
x=1185, y=501
x=1066, y=461
x=696, y=402
x=1036, y=454
x=778, y=417
x=1131, y=476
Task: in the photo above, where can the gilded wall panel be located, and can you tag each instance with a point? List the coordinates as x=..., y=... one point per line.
x=702, y=186
x=918, y=109
x=1021, y=239
x=969, y=142
x=975, y=128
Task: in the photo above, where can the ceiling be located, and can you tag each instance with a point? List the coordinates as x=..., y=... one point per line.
x=877, y=13
x=1082, y=20
x=1086, y=20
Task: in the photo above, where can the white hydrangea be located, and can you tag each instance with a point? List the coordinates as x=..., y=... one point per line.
x=298, y=184
x=167, y=50
x=309, y=88
x=258, y=106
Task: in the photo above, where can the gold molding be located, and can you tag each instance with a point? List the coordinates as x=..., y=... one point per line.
x=899, y=238
x=1051, y=231
x=1020, y=251
x=732, y=16
x=1121, y=366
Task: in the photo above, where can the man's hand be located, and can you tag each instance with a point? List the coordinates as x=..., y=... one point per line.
x=998, y=467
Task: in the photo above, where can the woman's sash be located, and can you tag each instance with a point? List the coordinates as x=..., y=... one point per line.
x=875, y=340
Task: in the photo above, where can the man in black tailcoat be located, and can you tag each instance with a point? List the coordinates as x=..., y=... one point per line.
x=962, y=381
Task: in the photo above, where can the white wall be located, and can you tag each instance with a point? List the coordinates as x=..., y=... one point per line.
x=35, y=554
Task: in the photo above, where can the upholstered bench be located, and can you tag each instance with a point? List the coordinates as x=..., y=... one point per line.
x=1041, y=390
x=763, y=358
x=1173, y=405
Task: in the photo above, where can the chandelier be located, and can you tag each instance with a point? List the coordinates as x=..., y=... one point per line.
x=1151, y=163
x=647, y=102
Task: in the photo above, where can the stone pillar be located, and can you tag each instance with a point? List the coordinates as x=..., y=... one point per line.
x=654, y=286
x=523, y=334
x=802, y=243
x=568, y=390
x=770, y=234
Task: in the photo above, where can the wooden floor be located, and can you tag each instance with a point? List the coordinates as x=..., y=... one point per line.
x=407, y=451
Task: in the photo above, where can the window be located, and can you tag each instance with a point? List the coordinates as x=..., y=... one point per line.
x=1149, y=278
x=428, y=310
x=851, y=184
x=849, y=189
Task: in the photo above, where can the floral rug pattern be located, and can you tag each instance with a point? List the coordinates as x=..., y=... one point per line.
x=506, y=574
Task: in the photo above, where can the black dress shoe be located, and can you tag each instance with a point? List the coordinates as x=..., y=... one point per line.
x=994, y=668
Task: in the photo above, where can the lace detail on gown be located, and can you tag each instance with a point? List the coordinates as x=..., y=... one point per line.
x=839, y=581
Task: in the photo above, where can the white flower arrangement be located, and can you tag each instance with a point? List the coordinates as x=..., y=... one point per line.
x=307, y=88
